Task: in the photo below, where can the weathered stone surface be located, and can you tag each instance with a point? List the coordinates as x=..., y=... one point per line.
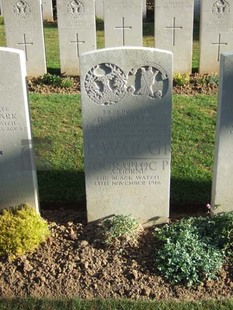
x=47, y=8
x=216, y=32
x=123, y=23
x=24, y=30
x=222, y=194
x=174, y=31
x=18, y=181
x=126, y=106
x=77, y=32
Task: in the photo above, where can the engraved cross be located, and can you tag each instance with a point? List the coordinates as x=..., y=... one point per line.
x=123, y=28
x=77, y=44
x=25, y=43
x=174, y=28
x=219, y=43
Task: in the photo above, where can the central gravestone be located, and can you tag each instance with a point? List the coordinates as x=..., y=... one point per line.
x=126, y=105
x=18, y=181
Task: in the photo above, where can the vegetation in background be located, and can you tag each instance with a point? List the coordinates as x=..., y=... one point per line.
x=22, y=231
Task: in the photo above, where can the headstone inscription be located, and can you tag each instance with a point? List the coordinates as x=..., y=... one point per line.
x=126, y=106
x=47, y=9
x=174, y=31
x=216, y=31
x=77, y=32
x=24, y=30
x=123, y=23
x=222, y=194
x=18, y=181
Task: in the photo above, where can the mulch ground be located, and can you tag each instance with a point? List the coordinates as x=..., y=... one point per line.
x=75, y=262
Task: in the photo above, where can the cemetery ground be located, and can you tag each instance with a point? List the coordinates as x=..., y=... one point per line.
x=74, y=261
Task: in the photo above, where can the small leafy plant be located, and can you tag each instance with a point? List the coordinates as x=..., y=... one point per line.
x=118, y=226
x=55, y=80
x=181, y=79
x=193, y=250
x=22, y=231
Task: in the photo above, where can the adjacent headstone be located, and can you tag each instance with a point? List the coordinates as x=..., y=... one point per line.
x=123, y=23
x=174, y=31
x=24, y=30
x=216, y=33
x=126, y=106
x=18, y=181
x=1, y=12
x=99, y=8
x=77, y=32
x=47, y=9
x=222, y=194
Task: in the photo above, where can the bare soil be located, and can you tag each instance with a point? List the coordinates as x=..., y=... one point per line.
x=76, y=262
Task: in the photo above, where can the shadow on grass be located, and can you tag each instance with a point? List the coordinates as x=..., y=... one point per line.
x=189, y=197
x=66, y=190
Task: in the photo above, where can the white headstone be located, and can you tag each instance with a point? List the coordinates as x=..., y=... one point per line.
x=123, y=23
x=174, y=31
x=216, y=33
x=144, y=9
x=99, y=8
x=47, y=8
x=222, y=194
x=18, y=181
x=126, y=106
x=24, y=30
x=77, y=32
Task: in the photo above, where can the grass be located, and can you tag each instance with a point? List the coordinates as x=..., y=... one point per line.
x=57, y=131
x=77, y=304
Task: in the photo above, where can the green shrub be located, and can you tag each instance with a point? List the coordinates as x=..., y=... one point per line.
x=181, y=79
x=66, y=83
x=50, y=79
x=22, y=231
x=118, y=226
x=193, y=250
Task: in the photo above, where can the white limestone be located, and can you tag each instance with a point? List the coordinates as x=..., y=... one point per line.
x=18, y=181
x=77, y=32
x=174, y=31
x=216, y=33
x=24, y=30
x=47, y=9
x=222, y=194
x=123, y=23
x=126, y=106
x=99, y=8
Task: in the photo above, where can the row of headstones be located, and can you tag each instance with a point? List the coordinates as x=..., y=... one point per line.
x=126, y=109
x=123, y=27
x=47, y=10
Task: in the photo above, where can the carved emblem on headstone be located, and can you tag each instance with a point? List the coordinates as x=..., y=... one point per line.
x=221, y=8
x=22, y=9
x=105, y=84
x=150, y=81
x=75, y=8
